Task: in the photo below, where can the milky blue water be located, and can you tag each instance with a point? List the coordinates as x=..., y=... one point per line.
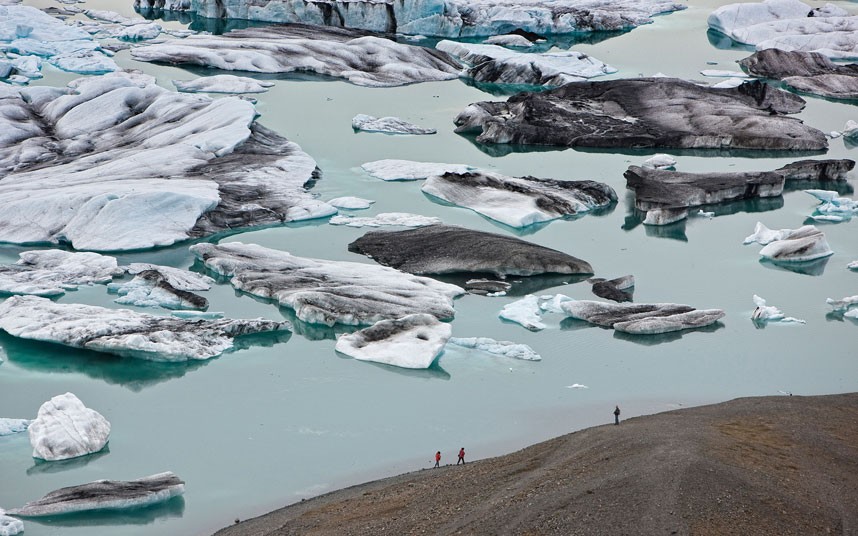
x=268, y=425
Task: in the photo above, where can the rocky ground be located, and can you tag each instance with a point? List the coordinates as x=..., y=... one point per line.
x=773, y=465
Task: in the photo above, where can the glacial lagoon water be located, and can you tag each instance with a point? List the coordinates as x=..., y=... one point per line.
x=288, y=418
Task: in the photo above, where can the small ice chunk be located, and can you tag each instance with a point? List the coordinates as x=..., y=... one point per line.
x=9, y=526
x=388, y=125
x=402, y=219
x=852, y=265
x=13, y=426
x=769, y=313
x=842, y=304
x=51, y=272
x=660, y=161
x=806, y=243
x=719, y=73
x=499, y=348
x=351, y=203
x=708, y=215
x=65, y=428
x=509, y=40
x=832, y=207
x=577, y=386
x=525, y=312
x=552, y=304
x=408, y=170
x=851, y=314
x=413, y=341
x=850, y=130
x=834, y=134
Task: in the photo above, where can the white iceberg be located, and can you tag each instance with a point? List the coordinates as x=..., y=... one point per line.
x=852, y=265
x=124, y=332
x=52, y=272
x=577, y=386
x=402, y=219
x=769, y=313
x=387, y=125
x=499, y=348
x=842, y=304
x=64, y=428
x=509, y=40
x=328, y=292
x=13, y=426
x=553, y=304
x=832, y=207
x=351, y=203
x=9, y=526
x=408, y=170
x=524, y=312
x=413, y=341
x=139, y=32
x=806, y=243
x=105, y=495
x=660, y=161
x=223, y=83
x=850, y=130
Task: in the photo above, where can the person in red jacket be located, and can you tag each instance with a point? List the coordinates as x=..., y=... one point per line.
x=461, y=456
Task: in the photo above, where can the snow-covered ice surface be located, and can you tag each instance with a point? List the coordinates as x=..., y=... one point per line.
x=388, y=125
x=351, y=203
x=64, y=428
x=769, y=313
x=806, y=243
x=124, y=332
x=402, y=219
x=832, y=207
x=789, y=25
x=116, y=162
x=9, y=526
x=413, y=341
x=52, y=272
x=498, y=348
x=328, y=292
x=25, y=30
x=449, y=18
x=222, y=83
x=641, y=319
x=105, y=495
x=519, y=201
x=408, y=170
x=12, y=426
x=361, y=59
x=499, y=65
x=525, y=312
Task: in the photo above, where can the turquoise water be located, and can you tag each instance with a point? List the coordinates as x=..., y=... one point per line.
x=289, y=418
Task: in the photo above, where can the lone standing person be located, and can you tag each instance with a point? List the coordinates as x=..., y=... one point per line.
x=461, y=456
x=437, y=458
x=617, y=415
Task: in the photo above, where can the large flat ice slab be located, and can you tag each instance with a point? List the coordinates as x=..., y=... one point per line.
x=328, y=292
x=409, y=170
x=52, y=272
x=64, y=428
x=445, y=249
x=105, y=495
x=361, y=59
x=413, y=341
x=116, y=162
x=124, y=332
x=641, y=319
x=497, y=348
x=388, y=125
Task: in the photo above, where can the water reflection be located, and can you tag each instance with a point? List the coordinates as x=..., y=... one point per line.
x=722, y=42
x=841, y=187
x=838, y=316
x=59, y=466
x=814, y=268
x=173, y=508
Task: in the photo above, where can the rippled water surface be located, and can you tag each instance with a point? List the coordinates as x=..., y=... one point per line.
x=289, y=418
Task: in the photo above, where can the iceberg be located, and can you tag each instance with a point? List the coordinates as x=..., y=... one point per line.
x=387, y=125
x=176, y=277
x=351, y=203
x=52, y=272
x=620, y=289
x=524, y=312
x=446, y=249
x=361, y=59
x=105, y=495
x=328, y=292
x=832, y=207
x=519, y=201
x=64, y=428
x=660, y=161
x=852, y=265
x=499, y=65
x=408, y=170
x=498, y=348
x=509, y=40
x=116, y=162
x=150, y=288
x=642, y=319
x=139, y=32
x=413, y=341
x=842, y=304
x=124, y=332
x=223, y=83
x=768, y=313
x=13, y=426
x=806, y=243
x=402, y=219
x=807, y=72
x=9, y=526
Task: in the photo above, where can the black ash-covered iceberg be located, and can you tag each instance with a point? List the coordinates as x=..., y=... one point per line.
x=641, y=319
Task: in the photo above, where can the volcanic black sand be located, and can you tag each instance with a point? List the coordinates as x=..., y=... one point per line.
x=772, y=465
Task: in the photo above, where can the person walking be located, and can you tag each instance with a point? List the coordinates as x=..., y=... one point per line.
x=461, y=456
x=617, y=415
x=437, y=458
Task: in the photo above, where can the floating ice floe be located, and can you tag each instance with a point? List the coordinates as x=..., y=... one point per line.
x=577, y=386
x=351, y=203
x=328, y=292
x=413, y=341
x=807, y=72
x=499, y=65
x=718, y=73
x=499, y=348
x=223, y=83
x=850, y=130
x=25, y=30
x=842, y=304
x=64, y=428
x=150, y=288
x=361, y=59
x=632, y=113
x=124, y=332
x=519, y=201
x=641, y=319
x=806, y=243
x=487, y=287
x=525, y=312
x=509, y=40
x=660, y=161
x=450, y=18
x=52, y=272
x=769, y=313
x=139, y=32
x=852, y=265
x=105, y=495
x=832, y=207
x=402, y=219
x=13, y=426
x=176, y=277
x=387, y=125
x=728, y=83
x=553, y=304
x=789, y=25
x=620, y=289
x=9, y=526
x=116, y=162
x=445, y=249
x=408, y=170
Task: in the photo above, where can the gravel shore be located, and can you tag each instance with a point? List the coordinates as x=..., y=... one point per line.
x=769, y=465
